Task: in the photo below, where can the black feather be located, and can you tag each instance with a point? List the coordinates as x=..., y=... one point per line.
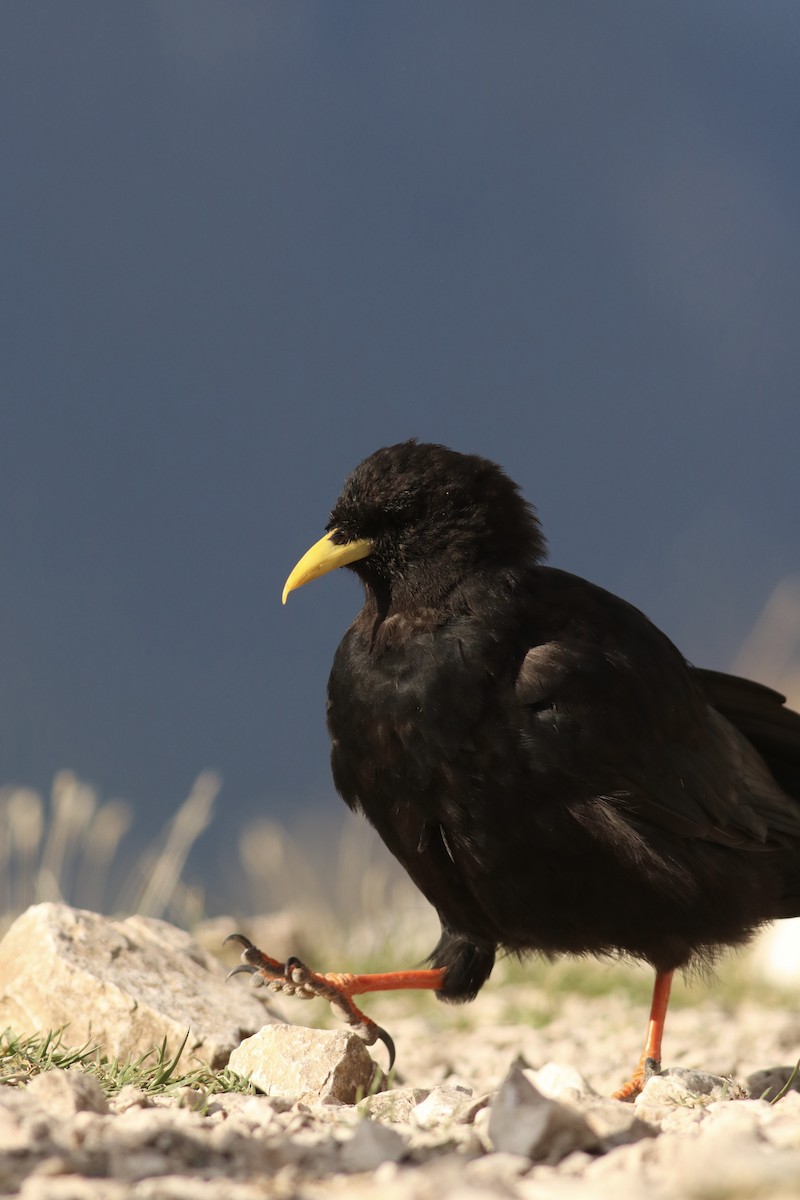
x=541, y=759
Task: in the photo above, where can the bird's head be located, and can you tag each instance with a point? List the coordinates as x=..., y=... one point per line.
x=415, y=519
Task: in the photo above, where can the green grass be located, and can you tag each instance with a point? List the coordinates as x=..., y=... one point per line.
x=155, y=1073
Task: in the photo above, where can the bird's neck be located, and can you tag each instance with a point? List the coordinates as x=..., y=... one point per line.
x=438, y=598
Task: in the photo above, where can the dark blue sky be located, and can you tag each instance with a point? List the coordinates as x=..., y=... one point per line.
x=246, y=243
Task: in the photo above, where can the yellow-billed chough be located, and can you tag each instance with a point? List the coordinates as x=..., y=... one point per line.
x=541, y=759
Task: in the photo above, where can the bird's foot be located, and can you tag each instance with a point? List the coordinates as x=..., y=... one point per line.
x=294, y=978
x=646, y=1069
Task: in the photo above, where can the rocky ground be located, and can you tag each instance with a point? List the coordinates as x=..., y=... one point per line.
x=505, y=1098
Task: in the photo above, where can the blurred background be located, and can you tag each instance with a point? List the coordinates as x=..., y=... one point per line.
x=247, y=243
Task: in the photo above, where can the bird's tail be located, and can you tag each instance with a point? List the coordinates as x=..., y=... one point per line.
x=761, y=715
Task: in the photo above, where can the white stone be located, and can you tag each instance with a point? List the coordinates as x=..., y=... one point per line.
x=371, y=1145
x=523, y=1121
x=296, y=1063
x=64, y=1093
x=672, y=1095
x=394, y=1105
x=124, y=985
x=555, y=1080
x=442, y=1106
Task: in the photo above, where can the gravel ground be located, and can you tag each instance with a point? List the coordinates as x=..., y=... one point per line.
x=461, y=1121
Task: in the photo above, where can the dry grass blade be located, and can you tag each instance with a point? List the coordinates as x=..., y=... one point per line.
x=193, y=816
x=111, y=822
x=67, y=854
x=73, y=806
x=25, y=829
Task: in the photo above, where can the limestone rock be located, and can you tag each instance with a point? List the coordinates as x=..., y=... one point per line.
x=687, y=1089
x=298, y=1063
x=395, y=1105
x=442, y=1106
x=491, y=1170
x=557, y=1081
x=783, y=1126
x=614, y=1122
x=523, y=1121
x=125, y=985
x=64, y=1093
x=770, y=1082
x=371, y=1145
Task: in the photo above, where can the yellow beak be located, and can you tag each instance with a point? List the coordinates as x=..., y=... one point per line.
x=325, y=556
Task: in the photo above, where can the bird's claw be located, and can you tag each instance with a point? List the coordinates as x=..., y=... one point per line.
x=647, y=1068
x=294, y=978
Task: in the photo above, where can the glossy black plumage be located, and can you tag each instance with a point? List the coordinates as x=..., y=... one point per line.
x=540, y=758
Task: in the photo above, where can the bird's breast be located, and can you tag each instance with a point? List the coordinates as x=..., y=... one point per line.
x=423, y=734
x=399, y=710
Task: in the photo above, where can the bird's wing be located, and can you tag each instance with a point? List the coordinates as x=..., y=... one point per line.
x=760, y=714
x=620, y=726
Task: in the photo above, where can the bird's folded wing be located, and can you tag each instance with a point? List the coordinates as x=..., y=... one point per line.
x=645, y=743
x=761, y=715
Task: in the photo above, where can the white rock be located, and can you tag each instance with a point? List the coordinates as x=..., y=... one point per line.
x=129, y=1096
x=740, y=1120
x=371, y=1145
x=442, y=1106
x=703, y=1083
x=684, y=1088
x=68, y=1187
x=394, y=1105
x=497, y=1168
x=23, y=1128
x=125, y=985
x=555, y=1080
x=782, y=1126
x=296, y=1063
x=523, y=1121
x=64, y=1093
x=614, y=1123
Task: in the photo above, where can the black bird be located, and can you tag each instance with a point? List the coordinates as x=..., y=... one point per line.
x=545, y=764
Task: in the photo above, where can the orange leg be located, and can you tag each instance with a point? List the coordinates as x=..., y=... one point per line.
x=294, y=978
x=650, y=1062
